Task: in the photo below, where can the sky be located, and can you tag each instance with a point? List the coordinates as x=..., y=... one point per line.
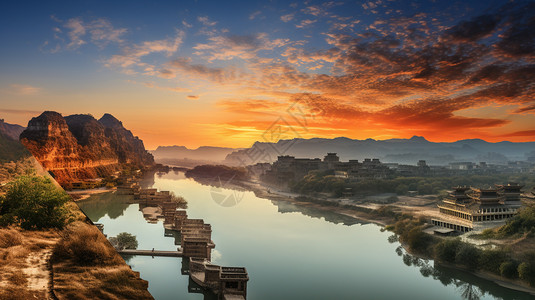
x=229, y=73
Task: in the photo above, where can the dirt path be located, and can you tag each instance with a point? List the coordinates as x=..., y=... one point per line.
x=37, y=272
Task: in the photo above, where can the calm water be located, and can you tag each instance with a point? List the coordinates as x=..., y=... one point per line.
x=290, y=252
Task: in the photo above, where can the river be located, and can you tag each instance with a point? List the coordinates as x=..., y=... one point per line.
x=290, y=252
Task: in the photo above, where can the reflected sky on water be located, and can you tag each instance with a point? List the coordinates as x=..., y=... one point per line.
x=290, y=252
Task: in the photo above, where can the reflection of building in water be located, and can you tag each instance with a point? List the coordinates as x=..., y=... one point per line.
x=331, y=217
x=466, y=208
x=227, y=282
x=195, y=243
x=194, y=288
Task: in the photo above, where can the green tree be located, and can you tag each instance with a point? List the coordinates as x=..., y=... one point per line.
x=490, y=260
x=446, y=250
x=402, y=189
x=526, y=272
x=126, y=240
x=509, y=269
x=467, y=255
x=33, y=202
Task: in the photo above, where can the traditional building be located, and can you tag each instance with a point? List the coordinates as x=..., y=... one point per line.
x=288, y=168
x=466, y=208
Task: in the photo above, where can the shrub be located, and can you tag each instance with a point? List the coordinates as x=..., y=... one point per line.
x=126, y=241
x=85, y=245
x=418, y=240
x=526, y=272
x=33, y=202
x=467, y=255
x=491, y=260
x=509, y=269
x=446, y=250
x=10, y=238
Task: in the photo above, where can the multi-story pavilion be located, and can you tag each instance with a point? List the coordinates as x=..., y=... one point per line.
x=466, y=207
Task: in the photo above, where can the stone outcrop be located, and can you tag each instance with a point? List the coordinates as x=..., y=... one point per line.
x=79, y=147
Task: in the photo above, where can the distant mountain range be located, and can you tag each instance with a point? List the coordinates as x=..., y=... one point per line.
x=204, y=153
x=406, y=151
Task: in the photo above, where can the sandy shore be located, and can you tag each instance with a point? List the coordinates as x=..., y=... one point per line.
x=79, y=195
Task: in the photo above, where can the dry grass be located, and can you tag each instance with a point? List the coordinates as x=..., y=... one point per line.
x=20, y=293
x=85, y=245
x=16, y=246
x=9, y=238
x=17, y=279
x=75, y=214
x=521, y=247
x=86, y=266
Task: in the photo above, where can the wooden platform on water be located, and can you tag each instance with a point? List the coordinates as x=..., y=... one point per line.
x=150, y=252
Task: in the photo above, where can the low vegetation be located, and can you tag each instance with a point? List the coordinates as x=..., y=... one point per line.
x=11, y=150
x=85, y=245
x=497, y=261
x=523, y=224
x=326, y=182
x=33, y=202
x=124, y=240
x=12, y=169
x=410, y=232
x=86, y=266
x=179, y=200
x=22, y=254
x=500, y=261
x=40, y=221
x=218, y=171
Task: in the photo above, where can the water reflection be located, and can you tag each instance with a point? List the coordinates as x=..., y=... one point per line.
x=109, y=203
x=285, y=206
x=467, y=285
x=291, y=252
x=331, y=217
x=194, y=288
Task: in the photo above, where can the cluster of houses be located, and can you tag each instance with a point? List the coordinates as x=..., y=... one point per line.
x=465, y=208
x=291, y=169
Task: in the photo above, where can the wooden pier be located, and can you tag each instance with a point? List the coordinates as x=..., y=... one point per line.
x=151, y=253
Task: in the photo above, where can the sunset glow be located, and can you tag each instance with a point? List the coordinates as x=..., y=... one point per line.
x=200, y=73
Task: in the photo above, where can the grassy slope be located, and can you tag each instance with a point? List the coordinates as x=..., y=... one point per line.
x=11, y=150
x=24, y=256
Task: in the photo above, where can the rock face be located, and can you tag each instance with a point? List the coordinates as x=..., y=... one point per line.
x=79, y=147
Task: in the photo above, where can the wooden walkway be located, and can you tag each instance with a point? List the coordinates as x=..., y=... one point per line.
x=151, y=253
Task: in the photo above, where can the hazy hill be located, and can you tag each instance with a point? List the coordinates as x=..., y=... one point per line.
x=11, y=131
x=204, y=153
x=407, y=151
x=10, y=147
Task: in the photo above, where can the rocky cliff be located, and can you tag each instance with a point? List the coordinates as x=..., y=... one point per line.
x=79, y=147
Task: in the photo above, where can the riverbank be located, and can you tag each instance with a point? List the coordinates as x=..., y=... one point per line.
x=417, y=209
x=262, y=191
x=79, y=195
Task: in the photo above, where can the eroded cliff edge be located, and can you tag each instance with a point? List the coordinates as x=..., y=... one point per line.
x=80, y=147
